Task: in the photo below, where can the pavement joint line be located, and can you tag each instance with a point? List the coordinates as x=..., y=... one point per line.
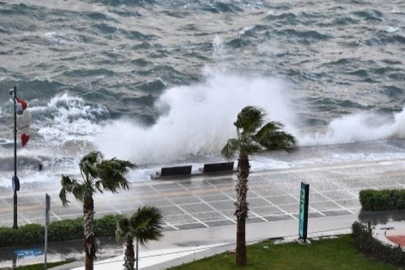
x=183, y=186
x=115, y=209
x=316, y=211
x=183, y=210
x=23, y=217
x=199, y=221
x=257, y=215
x=273, y=204
x=6, y=203
x=26, y=194
x=344, y=189
x=35, y=198
x=55, y=215
x=402, y=185
x=214, y=186
x=335, y=209
x=19, y=213
x=215, y=210
x=333, y=201
x=170, y=225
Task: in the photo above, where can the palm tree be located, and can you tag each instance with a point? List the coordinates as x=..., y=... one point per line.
x=254, y=136
x=144, y=225
x=98, y=175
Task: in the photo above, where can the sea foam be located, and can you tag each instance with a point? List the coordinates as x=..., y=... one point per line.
x=195, y=120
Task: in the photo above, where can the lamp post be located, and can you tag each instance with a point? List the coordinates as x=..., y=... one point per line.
x=15, y=180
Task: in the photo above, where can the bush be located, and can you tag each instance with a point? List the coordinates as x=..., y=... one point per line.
x=382, y=200
x=106, y=225
x=62, y=230
x=25, y=235
x=363, y=239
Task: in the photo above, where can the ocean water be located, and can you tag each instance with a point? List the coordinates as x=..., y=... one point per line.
x=161, y=81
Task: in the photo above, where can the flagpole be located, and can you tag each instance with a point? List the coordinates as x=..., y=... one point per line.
x=15, y=179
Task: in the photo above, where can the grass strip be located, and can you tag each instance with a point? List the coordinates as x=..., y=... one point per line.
x=40, y=266
x=330, y=254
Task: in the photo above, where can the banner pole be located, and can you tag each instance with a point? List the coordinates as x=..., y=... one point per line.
x=15, y=184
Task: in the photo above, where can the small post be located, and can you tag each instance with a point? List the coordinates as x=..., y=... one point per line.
x=47, y=209
x=137, y=253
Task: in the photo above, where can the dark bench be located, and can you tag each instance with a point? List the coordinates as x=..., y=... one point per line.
x=218, y=167
x=174, y=171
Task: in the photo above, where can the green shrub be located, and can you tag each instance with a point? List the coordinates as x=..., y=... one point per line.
x=25, y=235
x=106, y=225
x=363, y=239
x=61, y=230
x=382, y=200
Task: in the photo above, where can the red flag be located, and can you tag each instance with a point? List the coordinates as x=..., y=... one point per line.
x=22, y=103
x=23, y=120
x=24, y=139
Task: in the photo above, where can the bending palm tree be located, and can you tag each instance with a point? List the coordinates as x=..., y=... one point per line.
x=144, y=225
x=98, y=175
x=254, y=136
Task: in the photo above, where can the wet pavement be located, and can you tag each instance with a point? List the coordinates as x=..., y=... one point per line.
x=206, y=203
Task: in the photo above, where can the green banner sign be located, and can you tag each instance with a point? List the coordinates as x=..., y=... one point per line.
x=303, y=217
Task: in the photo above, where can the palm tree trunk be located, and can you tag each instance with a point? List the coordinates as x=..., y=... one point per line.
x=241, y=209
x=90, y=247
x=241, y=257
x=129, y=258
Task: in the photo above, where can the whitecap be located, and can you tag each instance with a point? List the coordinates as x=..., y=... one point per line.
x=391, y=29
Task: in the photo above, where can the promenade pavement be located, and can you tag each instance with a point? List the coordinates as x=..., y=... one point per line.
x=198, y=211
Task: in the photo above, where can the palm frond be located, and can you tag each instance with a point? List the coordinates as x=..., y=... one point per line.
x=108, y=167
x=92, y=157
x=89, y=170
x=88, y=164
x=98, y=175
x=230, y=148
x=148, y=224
x=249, y=147
x=112, y=182
x=68, y=185
x=271, y=137
x=81, y=191
x=250, y=119
x=63, y=197
x=111, y=174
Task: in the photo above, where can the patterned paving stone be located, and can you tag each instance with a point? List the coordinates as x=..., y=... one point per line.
x=325, y=206
x=284, y=199
x=215, y=223
x=336, y=213
x=190, y=226
x=278, y=217
x=179, y=219
x=223, y=205
x=214, y=197
x=196, y=208
x=268, y=210
x=208, y=216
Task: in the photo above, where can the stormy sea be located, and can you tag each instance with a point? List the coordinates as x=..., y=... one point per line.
x=160, y=82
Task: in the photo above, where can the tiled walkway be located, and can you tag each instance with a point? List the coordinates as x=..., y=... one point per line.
x=204, y=201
